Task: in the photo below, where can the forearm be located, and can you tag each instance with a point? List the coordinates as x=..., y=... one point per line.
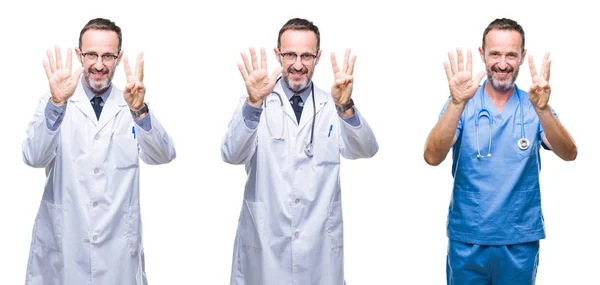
x=557, y=135
x=156, y=146
x=357, y=141
x=441, y=138
x=239, y=143
x=39, y=148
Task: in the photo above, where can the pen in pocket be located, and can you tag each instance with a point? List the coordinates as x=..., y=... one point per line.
x=330, y=128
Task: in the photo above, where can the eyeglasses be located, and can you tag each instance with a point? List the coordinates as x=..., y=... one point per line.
x=107, y=58
x=306, y=58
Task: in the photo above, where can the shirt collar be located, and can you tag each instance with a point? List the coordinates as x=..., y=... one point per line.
x=90, y=94
x=304, y=94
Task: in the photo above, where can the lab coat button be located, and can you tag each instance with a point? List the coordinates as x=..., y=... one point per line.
x=94, y=204
x=96, y=170
x=297, y=201
x=296, y=234
x=95, y=238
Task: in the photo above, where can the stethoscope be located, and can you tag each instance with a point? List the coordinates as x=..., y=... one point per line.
x=522, y=143
x=308, y=149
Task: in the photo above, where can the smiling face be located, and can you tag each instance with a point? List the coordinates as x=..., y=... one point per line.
x=97, y=55
x=502, y=54
x=298, y=72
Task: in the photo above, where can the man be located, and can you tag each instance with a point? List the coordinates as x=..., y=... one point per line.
x=495, y=220
x=88, y=135
x=290, y=135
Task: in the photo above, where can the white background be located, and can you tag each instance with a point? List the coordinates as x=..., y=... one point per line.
x=395, y=205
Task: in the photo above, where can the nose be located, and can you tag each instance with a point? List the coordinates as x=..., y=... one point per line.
x=99, y=65
x=503, y=63
x=298, y=63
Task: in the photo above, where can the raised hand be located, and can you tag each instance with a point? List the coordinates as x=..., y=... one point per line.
x=341, y=91
x=460, y=80
x=62, y=82
x=134, y=89
x=258, y=84
x=539, y=92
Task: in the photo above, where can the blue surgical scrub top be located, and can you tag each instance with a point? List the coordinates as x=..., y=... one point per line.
x=496, y=200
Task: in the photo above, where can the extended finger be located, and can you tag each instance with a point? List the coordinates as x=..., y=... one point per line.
x=459, y=59
x=276, y=72
x=47, y=69
x=334, y=64
x=546, y=66
x=478, y=78
x=58, y=57
x=351, y=65
x=76, y=76
x=69, y=63
x=254, y=60
x=263, y=58
x=532, y=67
x=469, y=61
x=242, y=71
x=139, y=67
x=247, y=65
x=452, y=62
x=126, y=66
x=448, y=71
x=346, y=60
x=51, y=61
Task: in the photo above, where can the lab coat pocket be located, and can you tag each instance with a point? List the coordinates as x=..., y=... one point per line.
x=48, y=228
x=528, y=211
x=125, y=152
x=335, y=225
x=252, y=222
x=327, y=150
x=134, y=229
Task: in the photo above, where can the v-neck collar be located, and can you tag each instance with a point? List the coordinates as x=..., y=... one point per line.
x=509, y=107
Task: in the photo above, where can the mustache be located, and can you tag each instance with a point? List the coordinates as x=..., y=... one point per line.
x=507, y=69
x=94, y=70
x=303, y=70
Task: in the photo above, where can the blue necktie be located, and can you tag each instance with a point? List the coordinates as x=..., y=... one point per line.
x=97, y=105
x=297, y=105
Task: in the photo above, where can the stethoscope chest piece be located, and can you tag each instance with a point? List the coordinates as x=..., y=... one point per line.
x=523, y=143
x=309, y=150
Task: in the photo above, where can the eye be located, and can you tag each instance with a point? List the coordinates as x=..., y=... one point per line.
x=307, y=56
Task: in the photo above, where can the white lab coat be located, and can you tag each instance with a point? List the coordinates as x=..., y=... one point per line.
x=290, y=228
x=88, y=227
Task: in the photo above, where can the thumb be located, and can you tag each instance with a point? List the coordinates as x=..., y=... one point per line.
x=479, y=76
x=276, y=72
x=76, y=75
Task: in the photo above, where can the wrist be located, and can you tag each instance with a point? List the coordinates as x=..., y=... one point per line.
x=457, y=105
x=254, y=103
x=541, y=111
x=139, y=113
x=57, y=102
x=345, y=107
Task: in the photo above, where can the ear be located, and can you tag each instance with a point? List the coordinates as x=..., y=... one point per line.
x=482, y=54
x=523, y=57
x=119, y=58
x=318, y=57
x=276, y=51
x=78, y=54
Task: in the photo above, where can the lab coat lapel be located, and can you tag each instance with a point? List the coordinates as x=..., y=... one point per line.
x=287, y=107
x=113, y=105
x=320, y=98
x=80, y=100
